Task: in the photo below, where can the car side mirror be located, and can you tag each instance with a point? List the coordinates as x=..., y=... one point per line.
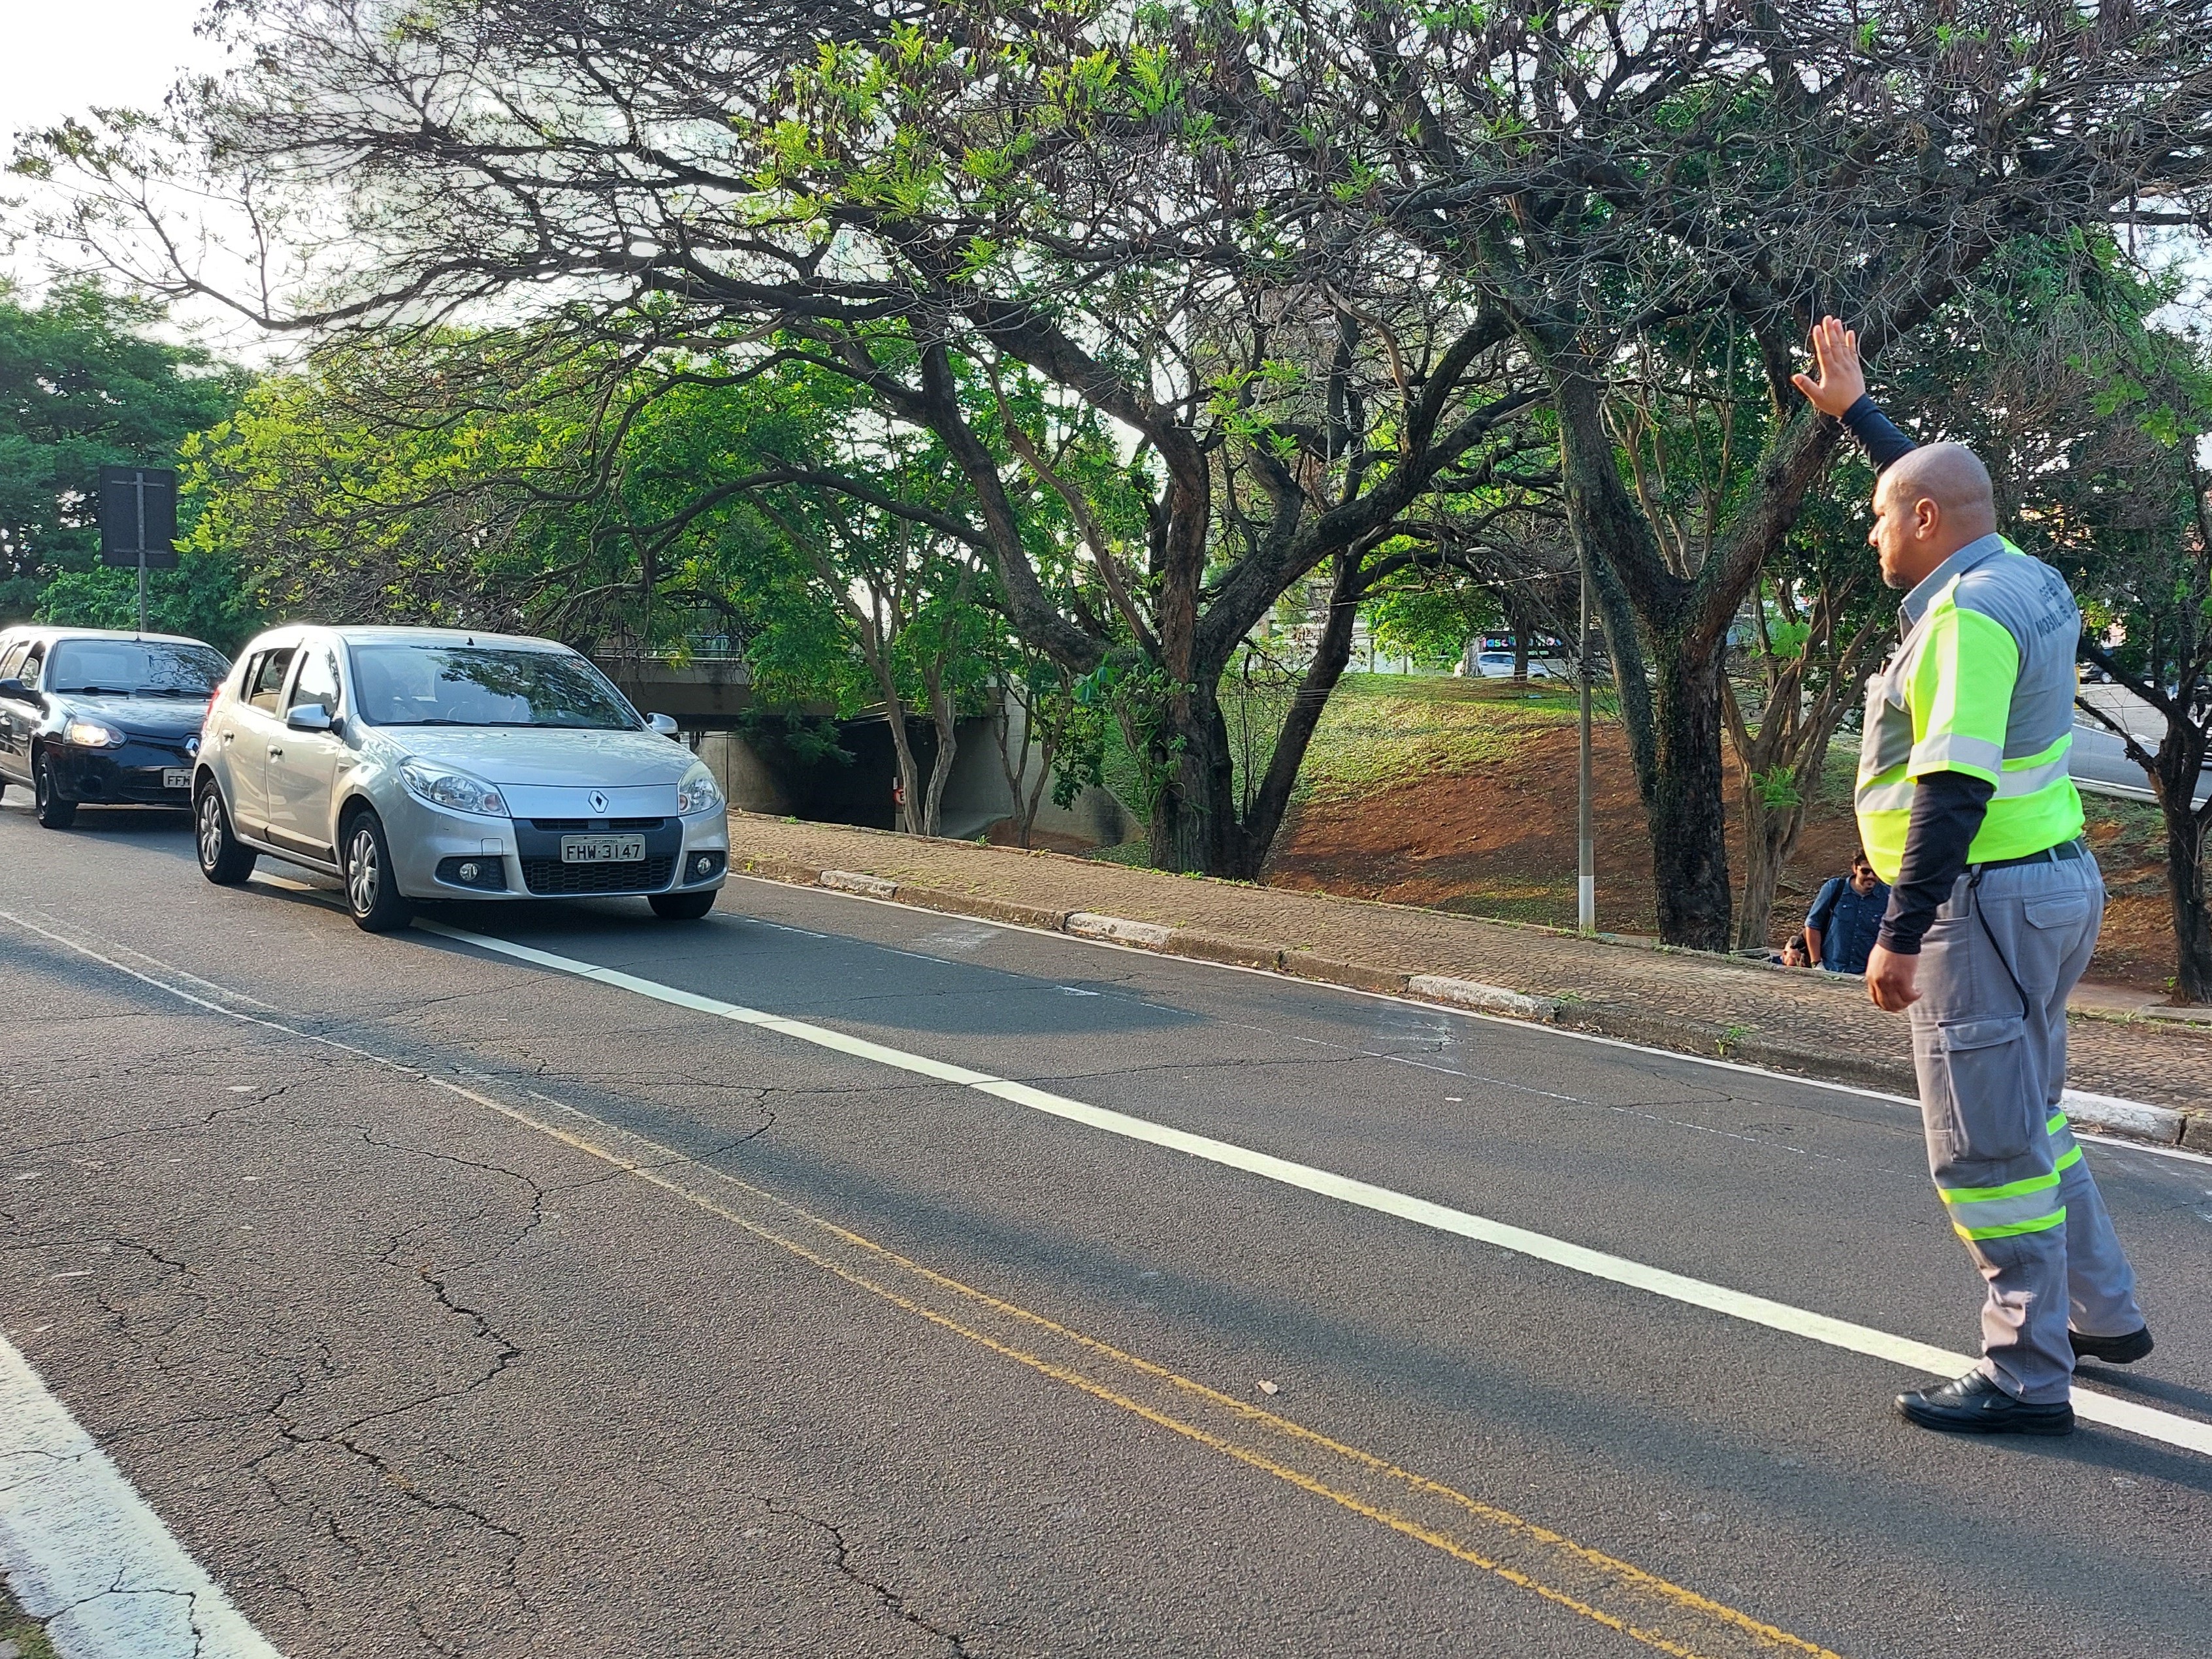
x=12, y=688
x=309, y=717
x=664, y=724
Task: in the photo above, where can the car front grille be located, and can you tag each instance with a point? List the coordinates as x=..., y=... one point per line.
x=554, y=879
x=577, y=826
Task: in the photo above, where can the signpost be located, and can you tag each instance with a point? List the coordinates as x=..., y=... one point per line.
x=139, y=522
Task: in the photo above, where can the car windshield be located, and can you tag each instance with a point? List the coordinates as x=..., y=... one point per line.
x=135, y=668
x=407, y=684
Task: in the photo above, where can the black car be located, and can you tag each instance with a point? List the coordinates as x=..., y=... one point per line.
x=104, y=718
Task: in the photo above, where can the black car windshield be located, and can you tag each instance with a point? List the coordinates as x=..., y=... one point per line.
x=407, y=684
x=135, y=668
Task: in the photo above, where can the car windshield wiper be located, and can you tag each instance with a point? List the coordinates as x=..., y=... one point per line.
x=172, y=691
x=91, y=691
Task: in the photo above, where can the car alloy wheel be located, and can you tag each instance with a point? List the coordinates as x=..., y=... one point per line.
x=371, y=895
x=364, y=872
x=211, y=835
x=222, y=860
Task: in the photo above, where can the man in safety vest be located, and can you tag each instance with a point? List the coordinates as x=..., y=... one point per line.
x=1966, y=808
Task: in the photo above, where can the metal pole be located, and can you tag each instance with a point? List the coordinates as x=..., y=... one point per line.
x=138, y=480
x=1585, y=842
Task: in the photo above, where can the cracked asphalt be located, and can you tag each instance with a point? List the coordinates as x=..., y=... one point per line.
x=441, y=1304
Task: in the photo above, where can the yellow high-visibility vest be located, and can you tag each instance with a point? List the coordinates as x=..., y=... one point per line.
x=1982, y=683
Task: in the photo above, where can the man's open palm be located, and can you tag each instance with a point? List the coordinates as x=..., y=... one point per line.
x=1842, y=381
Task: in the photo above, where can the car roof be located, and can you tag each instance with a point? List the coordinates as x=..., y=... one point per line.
x=51, y=633
x=380, y=636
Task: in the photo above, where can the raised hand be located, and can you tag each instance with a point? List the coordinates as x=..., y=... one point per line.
x=1842, y=381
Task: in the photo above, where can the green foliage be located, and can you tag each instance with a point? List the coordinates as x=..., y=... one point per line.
x=1430, y=616
x=86, y=383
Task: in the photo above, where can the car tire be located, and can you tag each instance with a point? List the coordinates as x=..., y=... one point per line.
x=372, y=896
x=683, y=907
x=223, y=859
x=52, y=811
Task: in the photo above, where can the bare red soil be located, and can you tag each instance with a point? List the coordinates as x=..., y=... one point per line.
x=1500, y=843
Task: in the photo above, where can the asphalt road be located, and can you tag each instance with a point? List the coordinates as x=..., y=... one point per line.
x=443, y=1302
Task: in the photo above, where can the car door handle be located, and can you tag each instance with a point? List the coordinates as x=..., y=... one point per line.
x=275, y=754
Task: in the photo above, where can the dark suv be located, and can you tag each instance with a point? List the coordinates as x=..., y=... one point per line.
x=88, y=717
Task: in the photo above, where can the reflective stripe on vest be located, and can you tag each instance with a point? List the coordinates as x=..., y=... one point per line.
x=1946, y=703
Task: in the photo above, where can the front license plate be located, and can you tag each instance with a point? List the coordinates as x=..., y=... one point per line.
x=602, y=849
x=176, y=777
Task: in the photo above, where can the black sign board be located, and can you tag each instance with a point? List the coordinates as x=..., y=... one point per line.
x=138, y=515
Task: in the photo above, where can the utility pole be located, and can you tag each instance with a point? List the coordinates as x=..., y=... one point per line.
x=1585, y=842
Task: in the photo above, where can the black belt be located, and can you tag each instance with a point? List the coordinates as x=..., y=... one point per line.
x=2065, y=853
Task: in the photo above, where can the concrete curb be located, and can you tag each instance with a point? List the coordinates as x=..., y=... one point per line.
x=1490, y=999
x=2104, y=1114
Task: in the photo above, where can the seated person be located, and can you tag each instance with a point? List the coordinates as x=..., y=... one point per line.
x=1793, y=952
x=1841, y=926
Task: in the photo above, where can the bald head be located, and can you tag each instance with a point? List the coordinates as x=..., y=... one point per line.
x=1928, y=505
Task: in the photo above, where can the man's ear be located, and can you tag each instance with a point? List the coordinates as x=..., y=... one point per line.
x=1927, y=517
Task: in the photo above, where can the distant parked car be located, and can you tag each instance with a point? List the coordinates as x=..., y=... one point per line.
x=1499, y=665
x=95, y=717
x=417, y=763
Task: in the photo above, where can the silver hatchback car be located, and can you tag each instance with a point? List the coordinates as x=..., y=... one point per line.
x=417, y=763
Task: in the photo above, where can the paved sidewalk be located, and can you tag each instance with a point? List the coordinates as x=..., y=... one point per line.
x=1795, y=1021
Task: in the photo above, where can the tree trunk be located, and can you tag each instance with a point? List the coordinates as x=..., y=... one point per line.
x=1014, y=759
x=1684, y=802
x=1332, y=655
x=1193, y=820
x=941, y=716
x=1672, y=713
x=909, y=778
x=2188, y=838
x=1770, y=837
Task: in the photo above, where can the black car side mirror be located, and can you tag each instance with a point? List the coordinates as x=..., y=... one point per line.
x=12, y=688
x=310, y=717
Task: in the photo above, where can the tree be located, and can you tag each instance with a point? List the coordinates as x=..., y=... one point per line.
x=920, y=210
x=1660, y=199
x=84, y=383
x=1819, y=626
x=2089, y=412
x=2159, y=594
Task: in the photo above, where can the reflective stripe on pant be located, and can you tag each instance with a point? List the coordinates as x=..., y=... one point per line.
x=1991, y=1060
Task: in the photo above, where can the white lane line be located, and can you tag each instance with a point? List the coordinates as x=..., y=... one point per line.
x=1566, y=1032
x=2186, y=1433
x=83, y=1551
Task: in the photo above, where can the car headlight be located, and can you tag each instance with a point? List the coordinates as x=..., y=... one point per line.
x=698, y=792
x=456, y=791
x=93, y=734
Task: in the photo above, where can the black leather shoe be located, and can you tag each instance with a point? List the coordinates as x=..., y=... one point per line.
x=2113, y=1349
x=1973, y=1404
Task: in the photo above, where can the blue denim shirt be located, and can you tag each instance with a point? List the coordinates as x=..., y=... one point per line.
x=1847, y=921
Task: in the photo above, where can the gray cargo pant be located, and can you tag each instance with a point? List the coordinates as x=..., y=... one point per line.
x=1991, y=1058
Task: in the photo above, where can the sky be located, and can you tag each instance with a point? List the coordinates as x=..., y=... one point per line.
x=61, y=57
x=64, y=56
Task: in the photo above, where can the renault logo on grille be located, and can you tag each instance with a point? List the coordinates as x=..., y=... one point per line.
x=599, y=803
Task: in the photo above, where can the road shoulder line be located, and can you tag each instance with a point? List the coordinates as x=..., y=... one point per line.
x=85, y=1553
